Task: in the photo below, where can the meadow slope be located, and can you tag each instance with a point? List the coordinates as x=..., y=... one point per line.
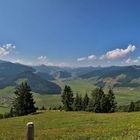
x=123, y=95
x=74, y=126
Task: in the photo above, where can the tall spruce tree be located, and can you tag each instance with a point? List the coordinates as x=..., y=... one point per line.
x=76, y=103
x=67, y=98
x=80, y=103
x=104, y=104
x=24, y=103
x=90, y=106
x=99, y=95
x=85, y=102
x=112, y=103
x=131, y=107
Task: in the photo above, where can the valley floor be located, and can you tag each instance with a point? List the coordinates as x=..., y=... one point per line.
x=54, y=125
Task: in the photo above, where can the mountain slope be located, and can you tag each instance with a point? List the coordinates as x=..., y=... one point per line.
x=11, y=74
x=43, y=78
x=127, y=76
x=38, y=84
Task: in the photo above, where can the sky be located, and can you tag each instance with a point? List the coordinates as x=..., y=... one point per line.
x=70, y=32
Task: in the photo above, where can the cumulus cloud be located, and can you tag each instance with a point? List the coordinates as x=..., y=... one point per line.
x=112, y=55
x=118, y=53
x=92, y=57
x=81, y=59
x=63, y=64
x=88, y=58
x=132, y=61
x=21, y=61
x=43, y=60
x=6, y=49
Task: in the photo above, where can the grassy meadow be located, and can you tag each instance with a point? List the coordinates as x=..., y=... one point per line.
x=123, y=95
x=52, y=125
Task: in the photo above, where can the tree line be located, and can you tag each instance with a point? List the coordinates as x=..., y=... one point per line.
x=132, y=107
x=98, y=102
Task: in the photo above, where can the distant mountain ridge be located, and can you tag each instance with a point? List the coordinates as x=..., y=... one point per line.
x=121, y=76
x=42, y=79
x=115, y=76
x=11, y=74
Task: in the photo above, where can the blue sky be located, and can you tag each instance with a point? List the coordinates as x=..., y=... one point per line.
x=70, y=32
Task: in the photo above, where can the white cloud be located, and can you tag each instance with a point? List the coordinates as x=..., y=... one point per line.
x=88, y=58
x=21, y=61
x=18, y=61
x=63, y=64
x=118, y=53
x=92, y=57
x=42, y=58
x=132, y=61
x=6, y=49
x=81, y=59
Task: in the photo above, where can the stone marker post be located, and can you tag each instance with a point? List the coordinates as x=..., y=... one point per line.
x=30, y=131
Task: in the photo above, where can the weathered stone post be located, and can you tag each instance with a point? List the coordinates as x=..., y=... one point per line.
x=30, y=131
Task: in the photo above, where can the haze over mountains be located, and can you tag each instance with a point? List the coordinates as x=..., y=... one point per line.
x=42, y=79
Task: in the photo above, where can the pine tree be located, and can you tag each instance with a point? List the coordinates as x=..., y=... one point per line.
x=104, y=104
x=131, y=107
x=137, y=106
x=99, y=95
x=80, y=103
x=112, y=103
x=67, y=98
x=76, y=103
x=90, y=106
x=24, y=103
x=11, y=114
x=85, y=102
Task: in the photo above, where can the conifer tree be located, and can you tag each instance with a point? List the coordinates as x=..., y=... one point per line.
x=11, y=114
x=137, y=106
x=112, y=103
x=24, y=103
x=99, y=95
x=76, y=103
x=80, y=103
x=104, y=104
x=67, y=98
x=90, y=106
x=85, y=102
x=131, y=107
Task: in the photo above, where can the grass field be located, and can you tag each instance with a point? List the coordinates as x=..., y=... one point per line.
x=7, y=94
x=78, y=86
x=123, y=95
x=74, y=126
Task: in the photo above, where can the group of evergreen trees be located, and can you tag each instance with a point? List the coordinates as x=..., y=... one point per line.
x=98, y=102
x=132, y=107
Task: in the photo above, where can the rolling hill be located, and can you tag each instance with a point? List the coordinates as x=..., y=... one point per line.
x=47, y=81
x=44, y=79
x=116, y=76
x=12, y=74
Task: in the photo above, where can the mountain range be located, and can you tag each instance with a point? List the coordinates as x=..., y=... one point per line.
x=42, y=79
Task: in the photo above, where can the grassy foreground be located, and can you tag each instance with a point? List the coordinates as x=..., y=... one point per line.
x=74, y=126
